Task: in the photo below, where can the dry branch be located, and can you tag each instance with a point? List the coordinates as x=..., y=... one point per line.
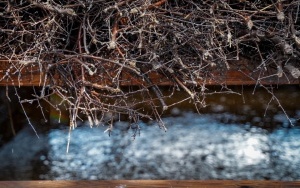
x=84, y=49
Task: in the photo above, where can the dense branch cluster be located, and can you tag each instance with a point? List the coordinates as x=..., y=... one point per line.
x=85, y=47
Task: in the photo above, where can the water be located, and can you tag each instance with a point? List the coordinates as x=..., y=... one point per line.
x=230, y=139
x=195, y=147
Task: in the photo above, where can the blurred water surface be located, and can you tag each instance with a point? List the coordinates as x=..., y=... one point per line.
x=234, y=137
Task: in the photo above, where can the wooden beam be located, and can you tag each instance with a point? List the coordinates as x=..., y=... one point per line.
x=18, y=74
x=14, y=73
x=151, y=183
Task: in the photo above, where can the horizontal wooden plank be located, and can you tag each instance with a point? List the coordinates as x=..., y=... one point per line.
x=14, y=73
x=151, y=183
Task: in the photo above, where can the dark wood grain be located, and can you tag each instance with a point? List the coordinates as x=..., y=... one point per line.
x=31, y=76
x=28, y=76
x=151, y=183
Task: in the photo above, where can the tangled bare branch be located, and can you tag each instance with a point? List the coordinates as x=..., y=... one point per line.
x=85, y=47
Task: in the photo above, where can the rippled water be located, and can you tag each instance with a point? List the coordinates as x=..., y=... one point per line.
x=229, y=140
x=195, y=147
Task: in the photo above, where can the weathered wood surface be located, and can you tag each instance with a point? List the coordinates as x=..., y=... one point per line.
x=151, y=183
x=32, y=76
x=29, y=75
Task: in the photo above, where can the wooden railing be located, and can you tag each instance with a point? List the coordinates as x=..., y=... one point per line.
x=32, y=76
x=151, y=183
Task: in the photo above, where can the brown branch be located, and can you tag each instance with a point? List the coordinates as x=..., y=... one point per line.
x=102, y=87
x=157, y=92
x=121, y=3
x=157, y=4
x=114, y=32
x=134, y=69
x=149, y=7
x=192, y=95
x=52, y=8
x=280, y=13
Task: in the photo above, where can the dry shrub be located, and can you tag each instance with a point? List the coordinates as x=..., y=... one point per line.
x=89, y=49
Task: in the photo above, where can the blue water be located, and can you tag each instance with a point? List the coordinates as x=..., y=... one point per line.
x=234, y=137
x=194, y=147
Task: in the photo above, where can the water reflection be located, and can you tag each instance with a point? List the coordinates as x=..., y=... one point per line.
x=251, y=151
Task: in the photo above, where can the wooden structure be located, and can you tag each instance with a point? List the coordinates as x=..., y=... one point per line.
x=151, y=183
x=237, y=75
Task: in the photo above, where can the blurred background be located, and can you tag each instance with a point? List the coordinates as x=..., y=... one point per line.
x=245, y=136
